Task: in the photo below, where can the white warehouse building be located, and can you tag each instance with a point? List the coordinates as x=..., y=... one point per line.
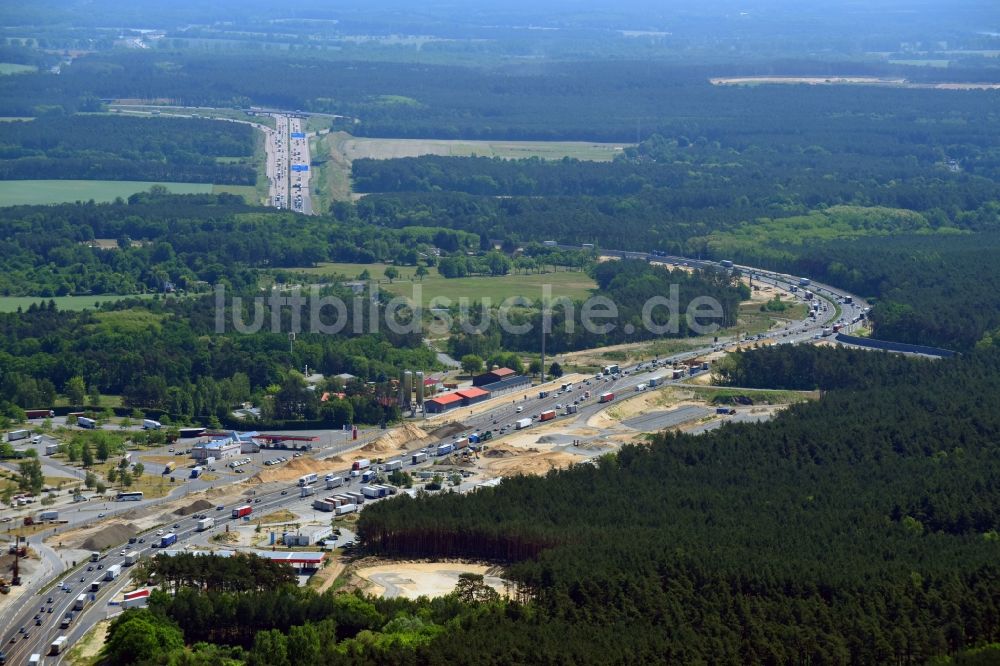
x=220, y=449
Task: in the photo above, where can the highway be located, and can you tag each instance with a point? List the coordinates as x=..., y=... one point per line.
x=621, y=384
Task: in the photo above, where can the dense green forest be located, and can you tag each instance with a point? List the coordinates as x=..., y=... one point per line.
x=593, y=100
x=861, y=528
x=165, y=355
x=192, y=241
x=95, y=147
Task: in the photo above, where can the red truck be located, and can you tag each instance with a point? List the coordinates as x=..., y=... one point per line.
x=242, y=511
x=606, y=397
x=547, y=415
x=39, y=413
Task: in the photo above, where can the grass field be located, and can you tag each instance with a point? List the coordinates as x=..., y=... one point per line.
x=12, y=68
x=22, y=192
x=74, y=303
x=248, y=192
x=356, y=147
x=572, y=284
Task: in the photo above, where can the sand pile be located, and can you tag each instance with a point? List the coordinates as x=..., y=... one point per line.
x=533, y=464
x=448, y=430
x=292, y=470
x=112, y=535
x=195, y=507
x=500, y=451
x=396, y=439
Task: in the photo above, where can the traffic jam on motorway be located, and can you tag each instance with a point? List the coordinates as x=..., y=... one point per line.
x=56, y=623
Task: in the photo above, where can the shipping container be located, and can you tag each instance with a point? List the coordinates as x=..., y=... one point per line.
x=345, y=508
x=241, y=511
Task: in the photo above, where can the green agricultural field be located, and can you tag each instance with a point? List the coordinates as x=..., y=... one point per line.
x=248, y=192
x=26, y=192
x=75, y=303
x=12, y=68
x=572, y=284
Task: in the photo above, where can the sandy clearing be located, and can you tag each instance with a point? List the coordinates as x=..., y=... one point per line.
x=853, y=80
x=415, y=579
x=375, y=148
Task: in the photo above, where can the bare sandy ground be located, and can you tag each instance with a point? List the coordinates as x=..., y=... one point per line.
x=415, y=579
x=856, y=80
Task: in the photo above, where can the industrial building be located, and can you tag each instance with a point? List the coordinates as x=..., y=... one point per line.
x=460, y=398
x=495, y=375
x=297, y=559
x=220, y=449
x=306, y=538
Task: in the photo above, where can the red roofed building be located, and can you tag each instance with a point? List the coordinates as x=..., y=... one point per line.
x=495, y=375
x=471, y=396
x=442, y=403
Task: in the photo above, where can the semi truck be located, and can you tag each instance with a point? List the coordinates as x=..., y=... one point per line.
x=808, y=295
x=521, y=424
x=39, y=413
x=611, y=369
x=85, y=422
x=367, y=476
x=571, y=409
x=15, y=435
x=150, y=424
x=364, y=463
x=196, y=472
x=306, y=491
x=444, y=449
x=48, y=515
x=169, y=467
x=242, y=511
x=205, y=524
x=640, y=387
x=729, y=411
x=357, y=497
x=131, y=558
x=827, y=332
x=168, y=540
x=606, y=397
x=547, y=415
x=656, y=381
x=804, y=282
x=80, y=603
x=112, y=572
x=418, y=458
x=307, y=479
x=345, y=508
x=334, y=481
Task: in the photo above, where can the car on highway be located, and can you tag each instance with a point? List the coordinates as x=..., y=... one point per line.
x=142, y=540
x=122, y=552
x=38, y=622
x=284, y=492
x=101, y=515
x=177, y=526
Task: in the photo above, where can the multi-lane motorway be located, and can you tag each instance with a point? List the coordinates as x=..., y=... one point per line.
x=79, y=580
x=288, y=164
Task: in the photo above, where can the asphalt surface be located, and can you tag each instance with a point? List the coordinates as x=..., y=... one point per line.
x=666, y=419
x=271, y=498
